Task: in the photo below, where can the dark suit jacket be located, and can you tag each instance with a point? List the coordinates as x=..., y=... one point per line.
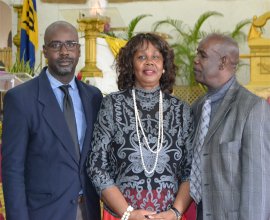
x=42, y=176
x=235, y=158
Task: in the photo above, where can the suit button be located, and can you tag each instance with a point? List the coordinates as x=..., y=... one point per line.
x=205, y=155
x=208, y=214
x=206, y=184
x=73, y=201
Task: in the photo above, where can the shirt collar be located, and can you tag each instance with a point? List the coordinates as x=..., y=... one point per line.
x=220, y=93
x=56, y=83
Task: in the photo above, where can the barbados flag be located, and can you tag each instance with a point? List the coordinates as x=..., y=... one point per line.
x=29, y=32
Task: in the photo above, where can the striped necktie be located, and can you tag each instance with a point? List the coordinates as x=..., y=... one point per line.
x=195, y=175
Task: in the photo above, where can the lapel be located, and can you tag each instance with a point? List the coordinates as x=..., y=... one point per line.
x=53, y=114
x=197, y=109
x=86, y=98
x=223, y=110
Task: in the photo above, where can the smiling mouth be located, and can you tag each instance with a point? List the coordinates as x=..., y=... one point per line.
x=65, y=62
x=149, y=72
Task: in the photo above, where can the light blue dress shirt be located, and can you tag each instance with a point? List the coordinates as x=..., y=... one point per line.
x=77, y=104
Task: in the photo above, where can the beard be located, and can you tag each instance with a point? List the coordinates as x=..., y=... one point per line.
x=63, y=67
x=63, y=71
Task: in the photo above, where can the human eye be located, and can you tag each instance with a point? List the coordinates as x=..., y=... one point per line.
x=202, y=55
x=156, y=57
x=141, y=57
x=70, y=44
x=55, y=44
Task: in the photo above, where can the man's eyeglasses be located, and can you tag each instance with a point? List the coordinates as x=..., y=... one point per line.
x=57, y=45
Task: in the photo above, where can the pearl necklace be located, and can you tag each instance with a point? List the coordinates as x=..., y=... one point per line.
x=160, y=132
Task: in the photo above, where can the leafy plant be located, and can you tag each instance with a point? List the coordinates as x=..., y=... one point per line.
x=130, y=31
x=20, y=66
x=187, y=40
x=237, y=33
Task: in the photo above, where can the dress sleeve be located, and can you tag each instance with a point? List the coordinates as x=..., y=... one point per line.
x=98, y=166
x=187, y=135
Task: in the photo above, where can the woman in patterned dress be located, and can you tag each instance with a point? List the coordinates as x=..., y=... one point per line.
x=141, y=149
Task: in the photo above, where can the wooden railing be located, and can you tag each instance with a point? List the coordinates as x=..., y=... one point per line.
x=6, y=56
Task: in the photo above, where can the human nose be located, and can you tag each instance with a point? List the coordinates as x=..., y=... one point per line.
x=149, y=62
x=63, y=49
x=196, y=59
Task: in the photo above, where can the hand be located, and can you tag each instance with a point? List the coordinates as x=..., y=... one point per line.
x=166, y=215
x=141, y=214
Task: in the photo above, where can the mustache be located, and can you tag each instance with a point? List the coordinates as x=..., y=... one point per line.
x=65, y=60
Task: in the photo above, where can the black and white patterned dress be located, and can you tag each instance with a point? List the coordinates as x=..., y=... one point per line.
x=115, y=157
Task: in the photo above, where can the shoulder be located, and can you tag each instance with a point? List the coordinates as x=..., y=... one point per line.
x=174, y=98
x=24, y=89
x=177, y=101
x=114, y=98
x=245, y=92
x=119, y=95
x=244, y=104
x=245, y=98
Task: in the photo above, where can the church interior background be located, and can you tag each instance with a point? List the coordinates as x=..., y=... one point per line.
x=117, y=14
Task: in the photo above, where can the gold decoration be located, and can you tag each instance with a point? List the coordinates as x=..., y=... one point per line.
x=115, y=44
x=17, y=37
x=259, y=57
x=6, y=57
x=2, y=203
x=91, y=26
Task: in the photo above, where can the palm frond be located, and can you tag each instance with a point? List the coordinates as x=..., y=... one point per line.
x=238, y=28
x=200, y=22
x=175, y=23
x=133, y=24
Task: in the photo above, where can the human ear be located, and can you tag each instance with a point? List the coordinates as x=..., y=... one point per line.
x=45, y=51
x=221, y=67
x=223, y=63
x=80, y=51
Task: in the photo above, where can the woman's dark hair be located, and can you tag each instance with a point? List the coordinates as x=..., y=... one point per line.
x=124, y=61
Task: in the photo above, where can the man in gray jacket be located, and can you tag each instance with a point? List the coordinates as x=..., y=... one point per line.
x=230, y=174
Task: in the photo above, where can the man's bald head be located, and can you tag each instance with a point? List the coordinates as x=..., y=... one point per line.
x=226, y=47
x=55, y=26
x=216, y=60
x=62, y=50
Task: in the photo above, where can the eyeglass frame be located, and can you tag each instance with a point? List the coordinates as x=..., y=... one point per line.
x=63, y=44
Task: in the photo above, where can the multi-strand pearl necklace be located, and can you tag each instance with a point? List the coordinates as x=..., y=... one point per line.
x=160, y=132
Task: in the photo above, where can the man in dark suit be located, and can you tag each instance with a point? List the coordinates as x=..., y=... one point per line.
x=43, y=176
x=232, y=182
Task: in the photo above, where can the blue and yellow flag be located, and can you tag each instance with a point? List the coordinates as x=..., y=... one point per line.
x=29, y=32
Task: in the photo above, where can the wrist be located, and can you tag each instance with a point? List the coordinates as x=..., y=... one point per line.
x=126, y=214
x=176, y=212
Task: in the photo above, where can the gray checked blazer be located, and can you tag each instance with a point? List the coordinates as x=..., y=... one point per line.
x=235, y=159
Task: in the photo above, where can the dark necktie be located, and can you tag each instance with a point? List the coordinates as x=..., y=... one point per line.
x=70, y=117
x=195, y=175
